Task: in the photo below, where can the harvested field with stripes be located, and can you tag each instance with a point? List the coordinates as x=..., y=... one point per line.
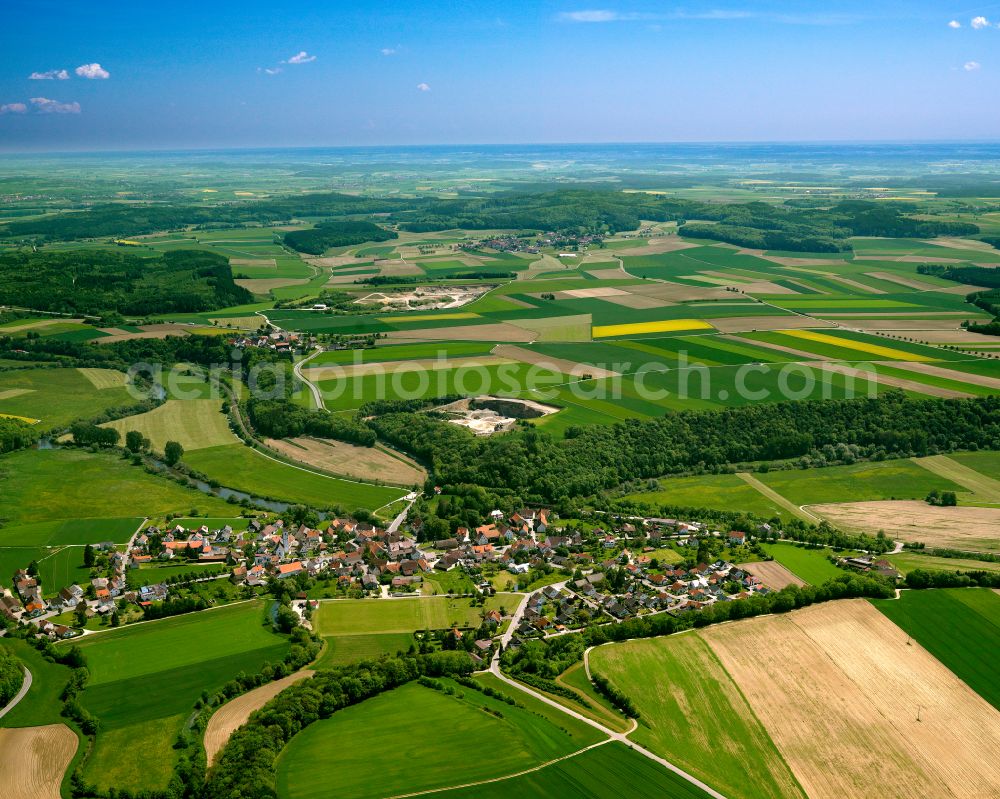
x=838, y=687
x=34, y=759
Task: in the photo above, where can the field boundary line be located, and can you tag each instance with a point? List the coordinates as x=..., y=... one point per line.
x=539, y=767
x=774, y=496
x=616, y=736
x=984, y=486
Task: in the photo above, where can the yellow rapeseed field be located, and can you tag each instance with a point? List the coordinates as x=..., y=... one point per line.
x=860, y=346
x=26, y=419
x=637, y=328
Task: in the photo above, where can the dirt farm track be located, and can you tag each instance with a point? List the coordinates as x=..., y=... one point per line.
x=34, y=759
x=232, y=715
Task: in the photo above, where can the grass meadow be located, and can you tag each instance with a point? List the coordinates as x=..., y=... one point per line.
x=237, y=466
x=332, y=752
x=859, y=482
x=609, y=770
x=722, y=491
x=47, y=486
x=145, y=679
x=365, y=616
x=58, y=396
x=809, y=564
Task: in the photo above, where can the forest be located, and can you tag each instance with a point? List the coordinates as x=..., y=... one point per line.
x=793, y=225
x=988, y=300
x=530, y=463
x=336, y=233
x=97, y=282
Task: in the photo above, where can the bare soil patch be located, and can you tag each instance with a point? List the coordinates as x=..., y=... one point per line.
x=838, y=687
x=908, y=259
x=952, y=337
x=562, y=365
x=34, y=759
x=772, y=574
x=902, y=280
x=749, y=284
x=347, y=460
x=658, y=245
x=791, y=261
x=597, y=291
x=233, y=715
x=950, y=374
x=395, y=267
x=962, y=527
x=609, y=274
x=263, y=285
x=918, y=325
x=260, y=263
x=678, y=292
x=339, y=260
x=864, y=376
x=638, y=301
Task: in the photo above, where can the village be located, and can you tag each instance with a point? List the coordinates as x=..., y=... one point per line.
x=609, y=573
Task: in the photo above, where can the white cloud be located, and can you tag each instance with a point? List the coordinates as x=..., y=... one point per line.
x=13, y=108
x=269, y=70
x=43, y=105
x=972, y=66
x=978, y=23
x=955, y=24
x=592, y=15
x=424, y=87
x=388, y=51
x=50, y=74
x=301, y=57
x=92, y=72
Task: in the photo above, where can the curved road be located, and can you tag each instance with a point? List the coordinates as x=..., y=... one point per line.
x=617, y=736
x=25, y=686
x=314, y=389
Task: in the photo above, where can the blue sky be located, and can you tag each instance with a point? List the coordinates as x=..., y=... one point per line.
x=225, y=74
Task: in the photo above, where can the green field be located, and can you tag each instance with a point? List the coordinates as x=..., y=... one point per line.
x=908, y=561
x=461, y=734
x=45, y=487
x=58, y=396
x=858, y=482
x=609, y=770
x=344, y=649
x=193, y=423
x=145, y=679
x=237, y=466
x=809, y=564
x=960, y=627
x=365, y=616
x=723, y=491
x=693, y=713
